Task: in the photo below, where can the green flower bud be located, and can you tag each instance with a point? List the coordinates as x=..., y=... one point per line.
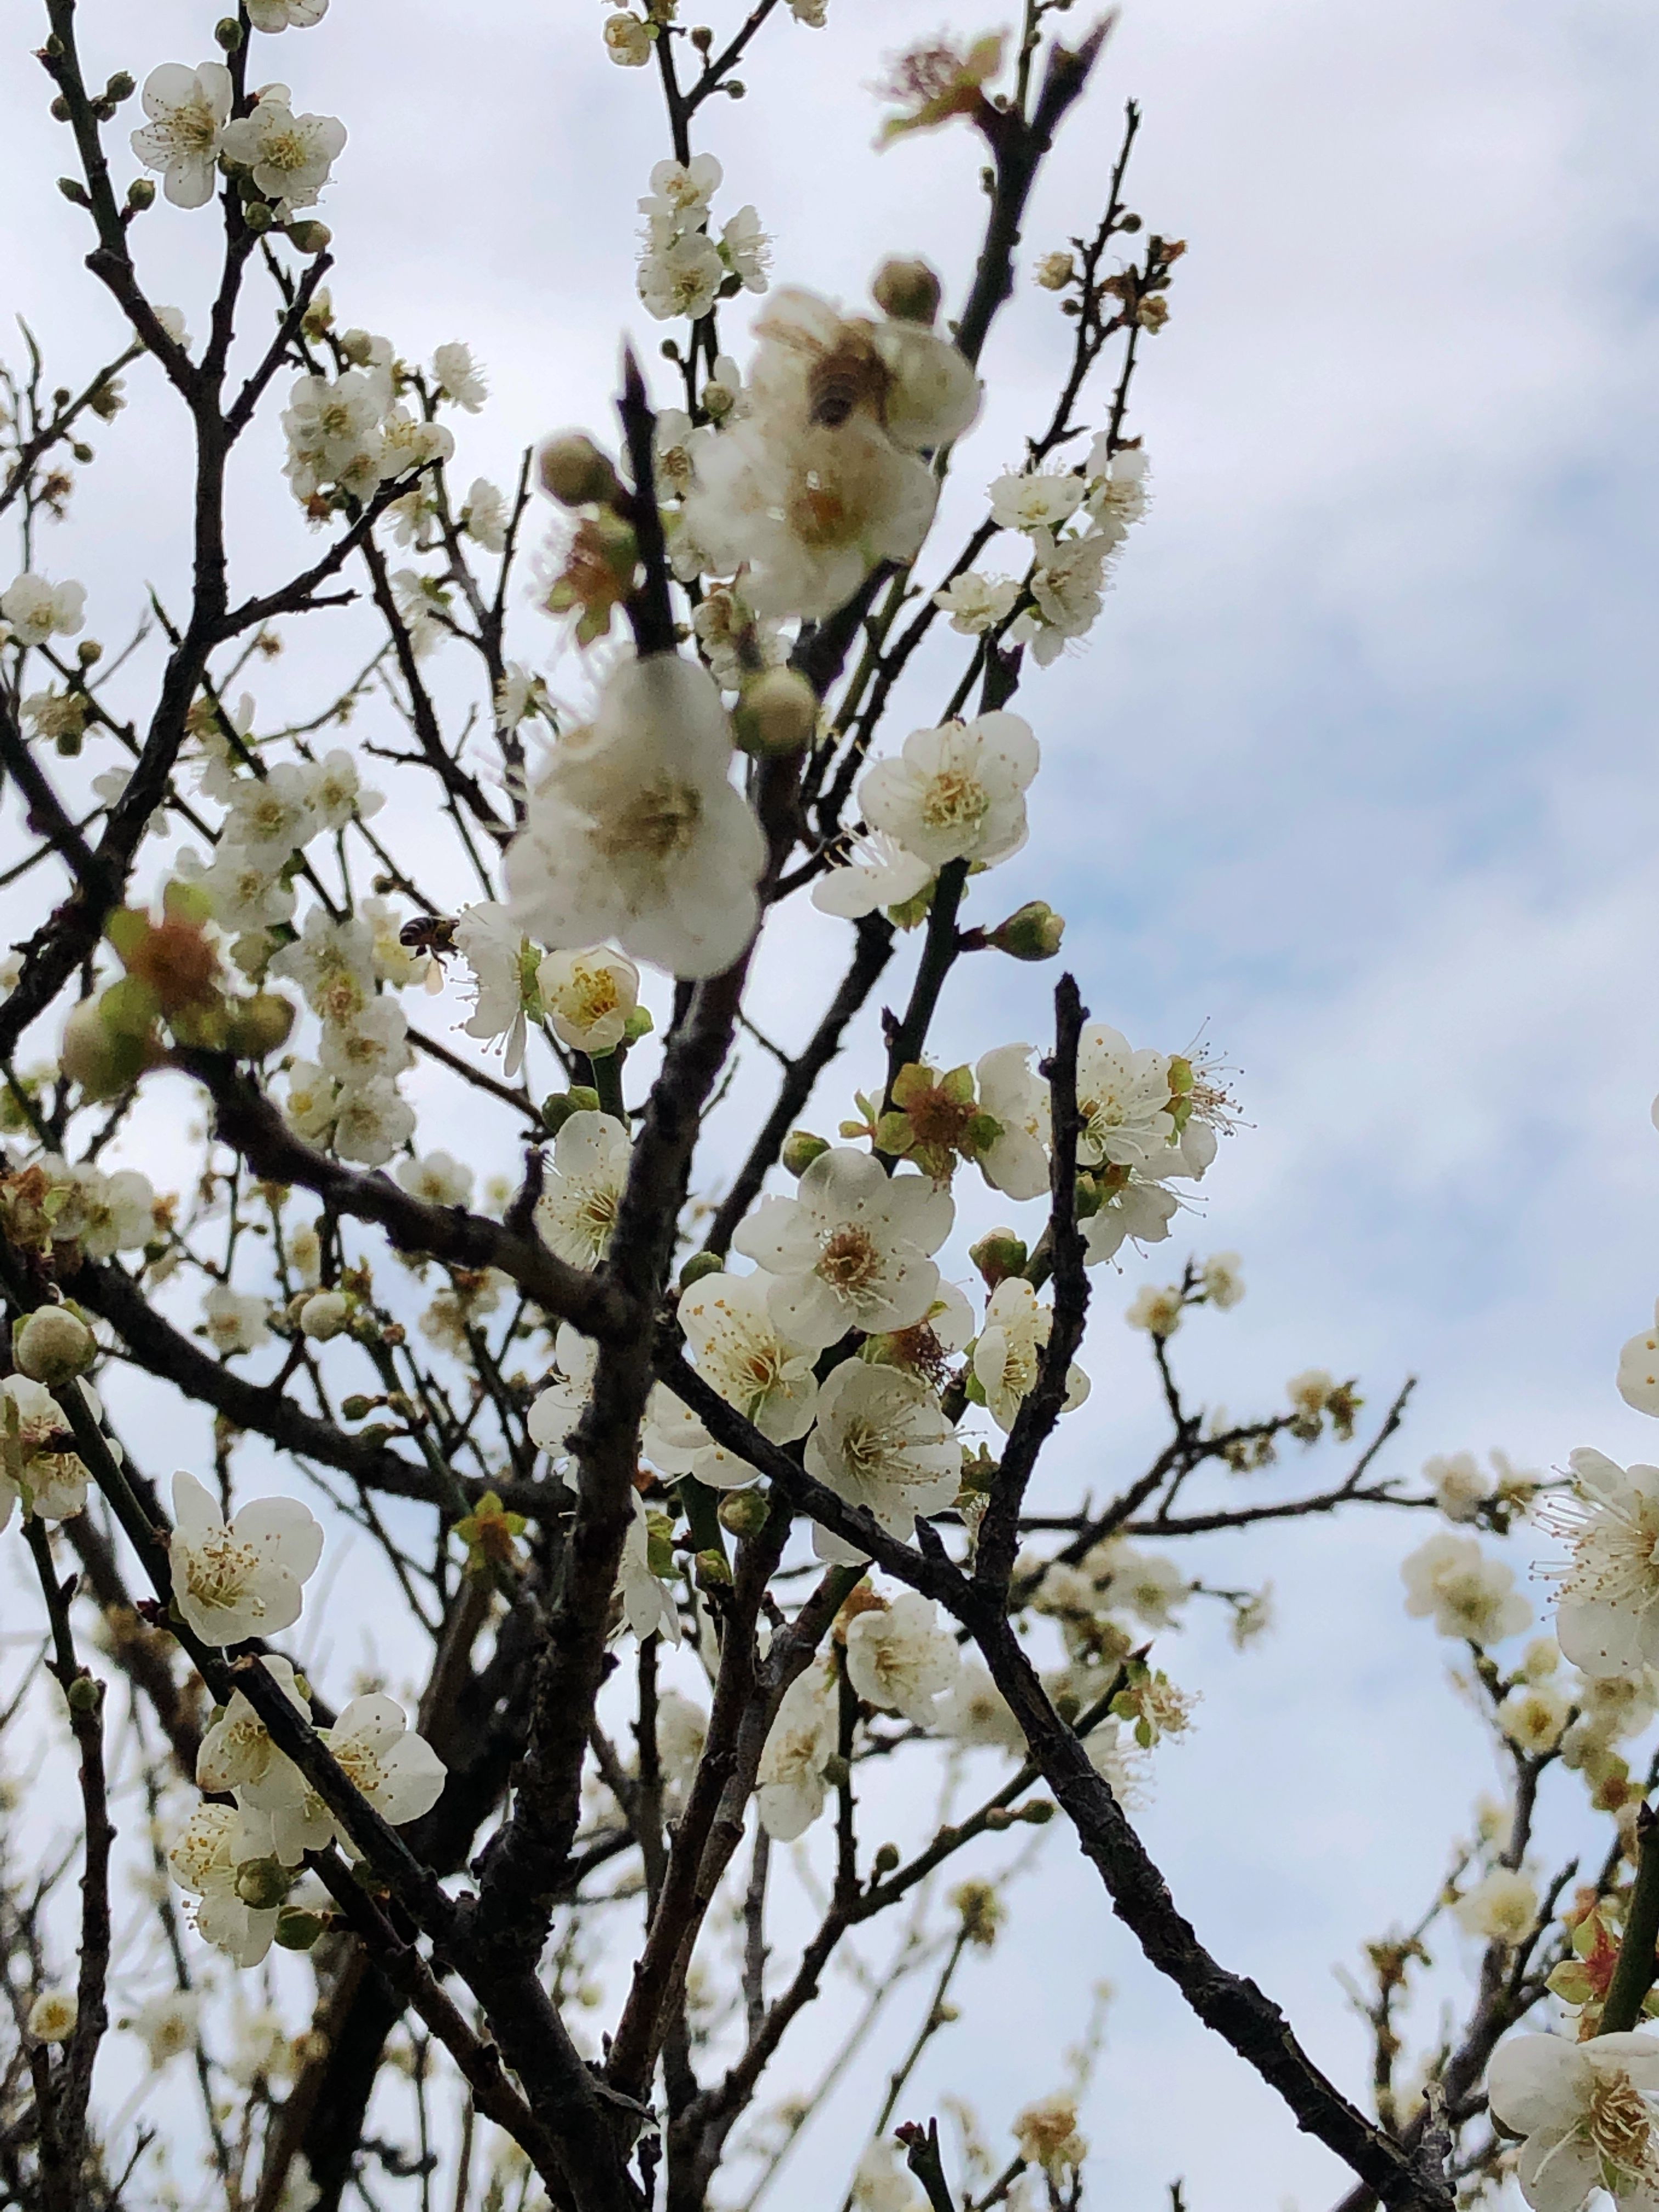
x=83, y=1694
x=141, y=194
x=908, y=291
x=89, y=651
x=309, y=237
x=559, y=1105
x=744, y=1512
x=801, y=1148
x=638, y=1025
x=263, y=1883
x=713, y=1571
x=298, y=1931
x=1038, y=1812
x=120, y=86
x=258, y=215
x=52, y=1346
x=357, y=1407
x=74, y=192
x=60, y=109
x=836, y=1771
x=997, y=1254
x=228, y=32
x=1033, y=931
x=576, y=473
x=699, y=1264
x=777, y=713
x=886, y=1859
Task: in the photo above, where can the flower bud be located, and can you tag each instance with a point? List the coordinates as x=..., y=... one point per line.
x=309, y=237
x=801, y=1148
x=1032, y=931
x=907, y=290
x=357, y=1407
x=837, y=1771
x=638, y=1023
x=701, y=37
x=263, y=1883
x=1089, y=1197
x=259, y=215
x=712, y=1572
x=999, y=1254
x=1039, y=1812
x=1129, y=222
x=121, y=86
x=89, y=651
x=228, y=32
x=74, y=192
x=296, y=1930
x=59, y=110
x=777, y=713
x=559, y=1105
x=52, y=1346
x=887, y=1859
x=744, y=1512
x=141, y=194
x=1054, y=272
x=576, y=473
x=324, y=1314
x=83, y=1694
x=258, y=1026
x=699, y=1264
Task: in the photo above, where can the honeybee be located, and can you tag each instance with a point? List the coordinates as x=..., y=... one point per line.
x=435, y=935
x=845, y=377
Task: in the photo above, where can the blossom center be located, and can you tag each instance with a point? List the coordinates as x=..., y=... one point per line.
x=217, y=1572
x=849, y=1261
x=660, y=820
x=955, y=799
x=1620, y=2128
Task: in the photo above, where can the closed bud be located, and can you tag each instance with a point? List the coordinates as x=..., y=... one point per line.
x=357, y=1407
x=744, y=1512
x=1089, y=1197
x=735, y=87
x=1032, y=931
x=1038, y=1812
x=998, y=1817
x=712, y=1572
x=83, y=1694
x=908, y=291
x=120, y=86
x=887, y=1859
x=82, y=453
x=777, y=712
x=309, y=237
x=837, y=1771
x=699, y=1264
x=1129, y=222
x=701, y=37
x=228, y=32
x=258, y=215
x=801, y=1148
x=52, y=1346
x=141, y=194
x=559, y=1105
x=263, y=1883
x=89, y=651
x=298, y=1931
x=639, y=1023
x=60, y=109
x=999, y=1254
x=74, y=192
x=576, y=473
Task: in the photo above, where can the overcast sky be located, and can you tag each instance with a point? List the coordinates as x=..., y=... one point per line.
x=1357, y=777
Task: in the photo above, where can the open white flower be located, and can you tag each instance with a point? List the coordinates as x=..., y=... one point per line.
x=214, y=1843
x=1035, y=499
x=375, y=1043
x=1460, y=1484
x=438, y=1178
x=1503, y=1908
x=34, y=610
x=1017, y=1099
x=395, y=1768
x=1123, y=1100
x=458, y=377
x=799, y=1745
x=502, y=959
x=900, y=1658
x=371, y=1122
x=188, y=110
x=1588, y=2111
x=882, y=1442
x=976, y=603
x=237, y=1754
x=33, y=1457
x=850, y=1249
x=274, y=15
x=333, y=431
x=577, y=1210
x=1008, y=1355
x=589, y=997
x=957, y=793
x=635, y=836
x=648, y=1605
x=684, y=278
x=241, y=1578
x=974, y=1711
x=1467, y=1593
x=1607, y=1618
x=1067, y=584
x=737, y=1347
x=877, y=873
x=1140, y=1212
x=166, y=2025
x=288, y=154
x=1638, y=1370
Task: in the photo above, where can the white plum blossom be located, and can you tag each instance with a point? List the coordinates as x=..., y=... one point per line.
x=1123, y=1102
x=1460, y=1484
x=519, y=694
x=204, y=1859
x=288, y=155
x=635, y=835
x=1534, y=1717
x=332, y=425
x=310, y=1106
x=737, y=1345
x=577, y=1209
x=628, y=41
x=682, y=1732
x=484, y=517
x=458, y=377
x=589, y=997
x=503, y=961
x=1117, y=485
x=1008, y=1355
x=882, y=1443
x=957, y=793
x=975, y=603
x=53, y=2016
x=1035, y=499
x=1589, y=2112
x=746, y=249
x=1017, y=1162
x=684, y=278
x=324, y=1315
x=1223, y=1283
x=1468, y=1595
x=900, y=1658
x=237, y=1752
x=188, y=111
x=273, y=15
x=372, y=1122
x=1158, y=1310
x=850, y=1250
x=1068, y=585
x=1606, y=1614
x=681, y=194
x=1638, y=1369
x=241, y=1578
x=974, y=1711
x=34, y=1461
x=166, y=2025
x=648, y=1605
x=800, y=1745
x=376, y=1044
x=235, y=1321
x=876, y=874
x=34, y=610
x=437, y=1179
x=395, y=1768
